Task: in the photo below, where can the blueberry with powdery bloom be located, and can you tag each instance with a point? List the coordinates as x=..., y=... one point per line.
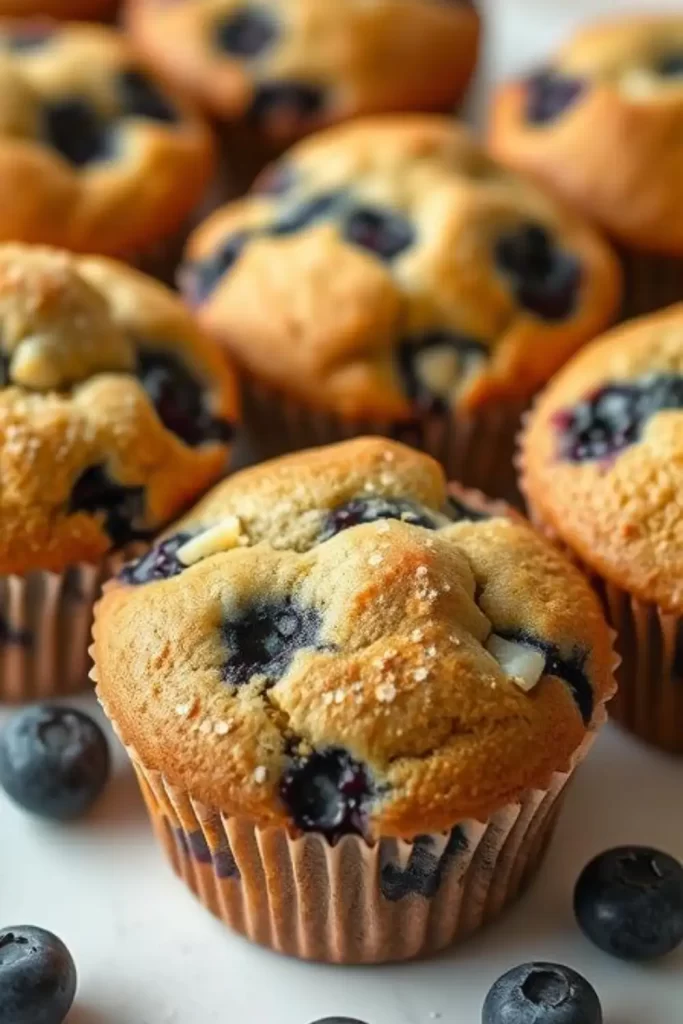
x=542, y=993
x=37, y=977
x=328, y=792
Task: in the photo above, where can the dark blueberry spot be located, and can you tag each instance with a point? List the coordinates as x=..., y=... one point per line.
x=369, y=510
x=423, y=874
x=10, y=635
x=37, y=977
x=179, y=399
x=30, y=37
x=201, y=277
x=246, y=32
x=198, y=846
x=76, y=131
x=142, y=97
x=276, y=180
x=629, y=902
x=670, y=65
x=470, y=354
x=161, y=563
x=54, y=761
x=545, y=279
x=570, y=670
x=383, y=232
x=327, y=792
x=287, y=101
x=550, y=94
x=265, y=640
x=613, y=418
x=459, y=511
x=542, y=993
x=307, y=213
x=123, y=508
x=180, y=836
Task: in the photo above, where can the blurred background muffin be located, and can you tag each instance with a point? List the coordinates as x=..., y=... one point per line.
x=602, y=126
x=115, y=413
x=603, y=474
x=95, y=154
x=388, y=277
x=270, y=71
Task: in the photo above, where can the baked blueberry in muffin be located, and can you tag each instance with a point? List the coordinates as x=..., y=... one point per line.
x=290, y=66
x=602, y=474
x=355, y=656
x=96, y=155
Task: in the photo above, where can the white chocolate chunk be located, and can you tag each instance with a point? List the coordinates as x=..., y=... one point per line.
x=523, y=664
x=224, y=536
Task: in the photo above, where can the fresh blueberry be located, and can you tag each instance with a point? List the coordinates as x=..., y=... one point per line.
x=289, y=101
x=459, y=511
x=246, y=32
x=37, y=977
x=470, y=355
x=161, y=563
x=201, y=277
x=264, y=641
x=423, y=874
x=179, y=399
x=369, y=510
x=123, y=507
x=54, y=761
x=614, y=417
x=570, y=670
x=541, y=993
x=327, y=792
x=142, y=97
x=544, y=278
x=76, y=131
x=307, y=213
x=629, y=902
x=550, y=94
x=670, y=65
x=383, y=232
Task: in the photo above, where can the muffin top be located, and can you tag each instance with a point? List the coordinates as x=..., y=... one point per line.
x=290, y=66
x=602, y=125
x=603, y=457
x=388, y=267
x=115, y=411
x=332, y=643
x=95, y=156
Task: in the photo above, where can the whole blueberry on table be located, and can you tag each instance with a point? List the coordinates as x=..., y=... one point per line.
x=541, y=993
x=37, y=977
x=54, y=761
x=629, y=902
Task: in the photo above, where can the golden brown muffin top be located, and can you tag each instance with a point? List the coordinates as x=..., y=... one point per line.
x=602, y=125
x=603, y=457
x=331, y=642
x=291, y=66
x=388, y=267
x=115, y=411
x=95, y=155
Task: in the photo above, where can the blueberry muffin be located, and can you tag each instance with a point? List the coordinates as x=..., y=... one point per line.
x=352, y=698
x=387, y=277
x=603, y=473
x=602, y=126
x=115, y=413
x=95, y=156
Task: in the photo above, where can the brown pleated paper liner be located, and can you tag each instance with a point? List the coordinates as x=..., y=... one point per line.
x=353, y=902
x=476, y=450
x=651, y=282
x=45, y=627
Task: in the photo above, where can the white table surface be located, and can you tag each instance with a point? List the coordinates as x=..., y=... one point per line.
x=148, y=954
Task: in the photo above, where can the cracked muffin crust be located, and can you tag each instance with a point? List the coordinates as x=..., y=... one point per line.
x=331, y=643
x=95, y=154
x=115, y=411
x=603, y=457
x=389, y=269
x=291, y=66
x=615, y=87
